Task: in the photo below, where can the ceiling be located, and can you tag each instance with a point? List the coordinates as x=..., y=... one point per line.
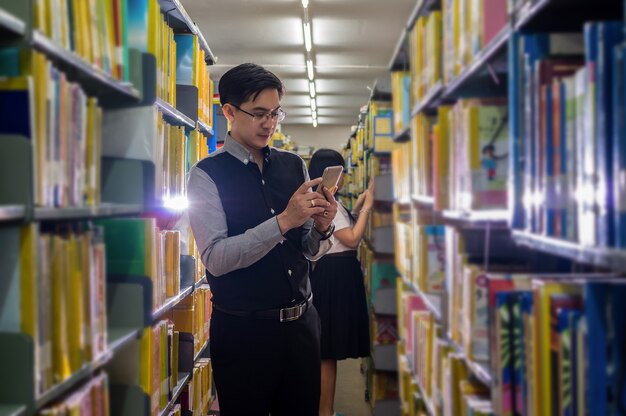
x=353, y=41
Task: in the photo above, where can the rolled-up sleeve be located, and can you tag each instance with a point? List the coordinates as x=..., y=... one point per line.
x=220, y=253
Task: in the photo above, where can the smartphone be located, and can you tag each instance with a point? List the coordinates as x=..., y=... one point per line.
x=330, y=178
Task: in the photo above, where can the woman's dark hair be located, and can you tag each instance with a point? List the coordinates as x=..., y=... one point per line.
x=245, y=82
x=322, y=159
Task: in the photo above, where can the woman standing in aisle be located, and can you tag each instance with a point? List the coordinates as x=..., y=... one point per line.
x=337, y=286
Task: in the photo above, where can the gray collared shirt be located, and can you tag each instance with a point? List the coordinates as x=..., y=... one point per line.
x=222, y=254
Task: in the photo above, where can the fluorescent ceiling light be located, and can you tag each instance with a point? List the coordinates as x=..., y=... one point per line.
x=313, y=105
x=312, y=89
x=308, y=44
x=305, y=3
x=309, y=69
x=314, y=122
x=314, y=115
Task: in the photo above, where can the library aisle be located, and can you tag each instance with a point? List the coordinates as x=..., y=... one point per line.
x=493, y=253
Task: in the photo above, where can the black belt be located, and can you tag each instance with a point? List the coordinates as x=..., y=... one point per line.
x=292, y=313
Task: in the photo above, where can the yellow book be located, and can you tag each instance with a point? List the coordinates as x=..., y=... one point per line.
x=421, y=56
x=164, y=366
x=29, y=236
x=145, y=365
x=543, y=290
x=435, y=47
x=169, y=263
x=59, y=276
x=112, y=46
x=75, y=305
x=442, y=159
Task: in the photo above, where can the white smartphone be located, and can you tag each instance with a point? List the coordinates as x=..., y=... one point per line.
x=330, y=179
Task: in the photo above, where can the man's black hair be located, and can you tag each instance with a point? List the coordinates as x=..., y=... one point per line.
x=245, y=82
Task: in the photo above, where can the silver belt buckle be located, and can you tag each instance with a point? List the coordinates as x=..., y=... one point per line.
x=291, y=314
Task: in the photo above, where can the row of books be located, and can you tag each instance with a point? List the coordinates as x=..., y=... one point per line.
x=136, y=247
x=166, y=62
x=192, y=70
x=193, y=315
x=425, y=53
x=158, y=373
x=96, y=30
x=197, y=395
x=63, y=124
x=56, y=295
x=468, y=27
x=431, y=366
x=567, y=94
x=92, y=399
x=459, y=157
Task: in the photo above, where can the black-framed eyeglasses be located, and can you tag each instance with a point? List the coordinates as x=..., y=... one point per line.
x=277, y=115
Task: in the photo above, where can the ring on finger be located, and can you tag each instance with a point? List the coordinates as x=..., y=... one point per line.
x=326, y=213
x=312, y=203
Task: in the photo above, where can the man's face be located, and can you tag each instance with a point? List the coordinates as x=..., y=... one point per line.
x=256, y=132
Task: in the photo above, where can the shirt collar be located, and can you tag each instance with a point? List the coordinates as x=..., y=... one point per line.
x=242, y=154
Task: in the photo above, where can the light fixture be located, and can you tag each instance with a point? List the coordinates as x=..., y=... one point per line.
x=306, y=27
x=305, y=3
x=309, y=69
x=314, y=114
x=312, y=89
x=313, y=105
x=314, y=122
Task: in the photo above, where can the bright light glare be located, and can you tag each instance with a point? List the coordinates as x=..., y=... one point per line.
x=308, y=44
x=309, y=68
x=178, y=203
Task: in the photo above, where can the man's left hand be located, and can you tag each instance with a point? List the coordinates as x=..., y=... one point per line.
x=325, y=219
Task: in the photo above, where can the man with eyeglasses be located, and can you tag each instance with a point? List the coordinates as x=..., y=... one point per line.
x=257, y=224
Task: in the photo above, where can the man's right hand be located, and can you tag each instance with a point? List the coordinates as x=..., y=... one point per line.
x=304, y=203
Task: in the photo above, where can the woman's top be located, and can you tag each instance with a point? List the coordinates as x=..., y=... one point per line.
x=342, y=220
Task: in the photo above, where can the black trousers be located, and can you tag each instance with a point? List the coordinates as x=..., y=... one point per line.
x=263, y=367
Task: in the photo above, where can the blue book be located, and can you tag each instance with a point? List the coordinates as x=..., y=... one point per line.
x=548, y=152
x=184, y=58
x=571, y=409
x=527, y=314
x=516, y=169
x=605, y=339
x=16, y=103
x=563, y=152
x=619, y=145
x=609, y=34
x=138, y=24
x=10, y=62
x=524, y=51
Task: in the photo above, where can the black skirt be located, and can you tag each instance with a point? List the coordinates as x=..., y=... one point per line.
x=339, y=297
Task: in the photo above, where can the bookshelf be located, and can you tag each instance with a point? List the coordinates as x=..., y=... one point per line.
x=100, y=211
x=12, y=212
x=403, y=136
x=90, y=77
x=430, y=101
x=174, y=116
x=42, y=236
x=11, y=23
x=610, y=259
x=483, y=241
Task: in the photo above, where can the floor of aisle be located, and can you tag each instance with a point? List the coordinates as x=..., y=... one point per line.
x=350, y=391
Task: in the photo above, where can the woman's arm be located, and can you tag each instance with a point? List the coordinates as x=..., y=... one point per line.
x=352, y=236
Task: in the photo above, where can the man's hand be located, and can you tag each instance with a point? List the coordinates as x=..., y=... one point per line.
x=326, y=217
x=303, y=205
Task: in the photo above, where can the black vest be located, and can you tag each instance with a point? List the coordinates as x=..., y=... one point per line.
x=249, y=198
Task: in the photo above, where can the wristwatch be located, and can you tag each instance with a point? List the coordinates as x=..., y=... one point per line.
x=326, y=234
